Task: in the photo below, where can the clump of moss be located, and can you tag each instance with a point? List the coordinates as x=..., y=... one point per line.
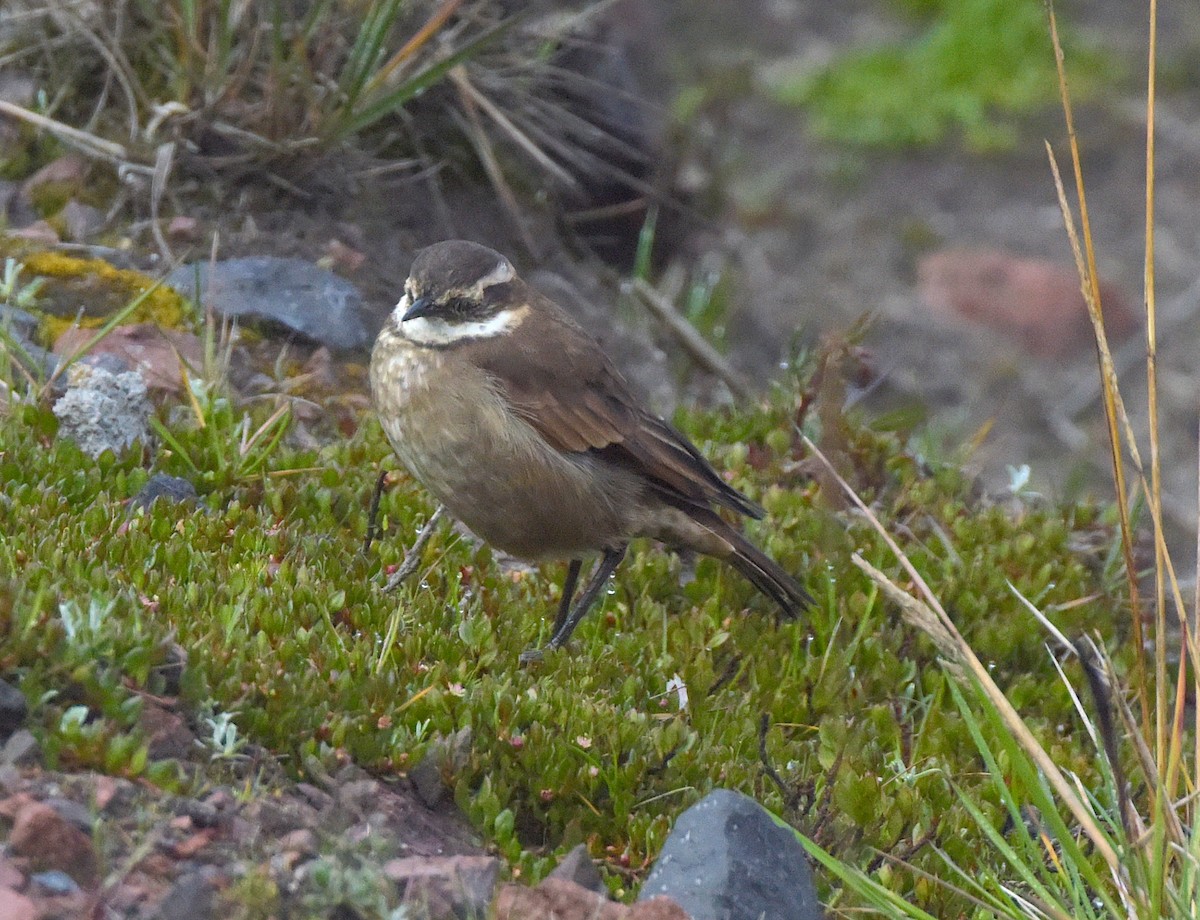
x=975, y=65
x=98, y=289
x=668, y=690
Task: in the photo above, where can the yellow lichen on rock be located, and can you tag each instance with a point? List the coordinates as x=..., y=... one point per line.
x=91, y=290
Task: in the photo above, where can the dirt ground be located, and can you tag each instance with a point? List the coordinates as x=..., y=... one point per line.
x=832, y=248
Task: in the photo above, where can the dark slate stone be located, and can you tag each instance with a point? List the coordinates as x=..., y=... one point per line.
x=292, y=293
x=172, y=489
x=74, y=812
x=728, y=858
x=18, y=322
x=21, y=749
x=22, y=327
x=577, y=867
x=13, y=709
x=192, y=897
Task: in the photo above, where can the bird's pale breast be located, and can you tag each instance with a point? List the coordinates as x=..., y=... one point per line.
x=458, y=435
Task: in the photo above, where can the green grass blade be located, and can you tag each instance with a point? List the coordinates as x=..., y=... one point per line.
x=372, y=111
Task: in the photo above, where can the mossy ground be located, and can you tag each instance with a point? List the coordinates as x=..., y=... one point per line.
x=266, y=586
x=969, y=72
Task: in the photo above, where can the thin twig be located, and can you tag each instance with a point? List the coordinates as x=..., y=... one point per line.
x=789, y=795
x=412, y=559
x=697, y=347
x=163, y=160
x=89, y=142
x=519, y=137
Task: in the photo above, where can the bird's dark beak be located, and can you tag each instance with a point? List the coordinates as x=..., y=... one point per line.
x=419, y=307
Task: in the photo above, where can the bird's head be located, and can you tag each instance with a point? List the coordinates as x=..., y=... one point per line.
x=457, y=290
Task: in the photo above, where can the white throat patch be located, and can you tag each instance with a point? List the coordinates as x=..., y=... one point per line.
x=435, y=331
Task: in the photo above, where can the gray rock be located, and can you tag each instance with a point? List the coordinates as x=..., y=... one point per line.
x=11, y=779
x=426, y=778
x=74, y=812
x=444, y=758
x=21, y=749
x=18, y=322
x=192, y=897
x=728, y=858
x=171, y=489
x=577, y=867
x=13, y=709
x=295, y=294
x=359, y=797
x=319, y=799
x=54, y=882
x=170, y=670
x=22, y=327
x=103, y=411
x=82, y=220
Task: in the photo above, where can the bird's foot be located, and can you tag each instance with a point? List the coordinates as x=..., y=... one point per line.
x=531, y=657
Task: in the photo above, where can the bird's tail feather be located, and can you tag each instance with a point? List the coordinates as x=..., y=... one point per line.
x=759, y=569
x=766, y=574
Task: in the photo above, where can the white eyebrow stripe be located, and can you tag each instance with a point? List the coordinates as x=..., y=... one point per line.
x=501, y=273
x=433, y=330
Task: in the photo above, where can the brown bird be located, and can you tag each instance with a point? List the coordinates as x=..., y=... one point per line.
x=513, y=417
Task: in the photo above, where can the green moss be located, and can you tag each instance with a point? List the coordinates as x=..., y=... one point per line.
x=976, y=65
x=266, y=585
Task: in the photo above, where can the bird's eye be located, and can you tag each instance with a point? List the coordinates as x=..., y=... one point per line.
x=460, y=306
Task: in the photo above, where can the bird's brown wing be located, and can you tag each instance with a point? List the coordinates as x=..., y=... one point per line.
x=556, y=376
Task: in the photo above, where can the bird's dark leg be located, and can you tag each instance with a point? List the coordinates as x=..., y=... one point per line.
x=373, y=514
x=412, y=559
x=568, y=592
x=604, y=568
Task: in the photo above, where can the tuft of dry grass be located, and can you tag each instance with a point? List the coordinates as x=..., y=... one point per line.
x=218, y=89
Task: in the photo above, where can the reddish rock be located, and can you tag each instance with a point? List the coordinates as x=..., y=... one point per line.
x=158, y=354
x=190, y=846
x=15, y=906
x=10, y=876
x=1035, y=301
x=10, y=807
x=558, y=899
x=49, y=841
x=343, y=258
x=184, y=229
x=167, y=734
x=70, y=170
x=39, y=231
x=104, y=791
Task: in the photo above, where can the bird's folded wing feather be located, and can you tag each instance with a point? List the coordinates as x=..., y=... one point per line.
x=560, y=381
